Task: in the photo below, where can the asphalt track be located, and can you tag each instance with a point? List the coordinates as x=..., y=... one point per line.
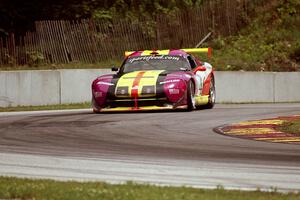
x=167, y=148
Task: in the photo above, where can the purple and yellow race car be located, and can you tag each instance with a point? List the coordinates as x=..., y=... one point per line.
x=156, y=79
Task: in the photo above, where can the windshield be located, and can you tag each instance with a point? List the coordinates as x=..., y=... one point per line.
x=158, y=62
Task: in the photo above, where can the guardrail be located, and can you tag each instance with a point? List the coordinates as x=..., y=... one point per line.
x=48, y=87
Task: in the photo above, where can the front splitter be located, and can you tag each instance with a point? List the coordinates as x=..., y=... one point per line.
x=144, y=108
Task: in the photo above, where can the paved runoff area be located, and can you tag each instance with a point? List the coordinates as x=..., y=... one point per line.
x=166, y=148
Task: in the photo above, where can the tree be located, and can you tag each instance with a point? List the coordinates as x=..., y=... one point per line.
x=19, y=16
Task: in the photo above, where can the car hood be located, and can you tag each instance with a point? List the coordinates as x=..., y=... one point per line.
x=124, y=85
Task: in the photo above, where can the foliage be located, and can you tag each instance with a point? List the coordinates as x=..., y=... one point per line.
x=14, y=188
x=10, y=60
x=35, y=58
x=270, y=43
x=19, y=17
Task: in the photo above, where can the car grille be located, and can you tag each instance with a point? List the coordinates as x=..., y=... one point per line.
x=141, y=102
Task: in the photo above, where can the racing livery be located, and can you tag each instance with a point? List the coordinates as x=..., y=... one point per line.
x=156, y=79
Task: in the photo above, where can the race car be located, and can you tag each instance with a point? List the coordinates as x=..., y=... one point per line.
x=155, y=80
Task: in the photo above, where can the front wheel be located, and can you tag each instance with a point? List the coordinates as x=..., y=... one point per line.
x=96, y=108
x=191, y=102
x=212, y=95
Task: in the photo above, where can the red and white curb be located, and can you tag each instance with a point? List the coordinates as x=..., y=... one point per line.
x=262, y=130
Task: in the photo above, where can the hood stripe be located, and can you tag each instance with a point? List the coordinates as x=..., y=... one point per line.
x=135, y=85
x=135, y=81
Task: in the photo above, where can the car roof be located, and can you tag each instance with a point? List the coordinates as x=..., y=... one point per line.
x=173, y=52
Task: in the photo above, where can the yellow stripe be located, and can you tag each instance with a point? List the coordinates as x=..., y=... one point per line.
x=126, y=81
x=166, y=51
x=149, y=79
x=251, y=131
x=196, y=50
x=127, y=53
x=280, y=139
x=140, y=108
x=258, y=122
x=287, y=140
x=163, y=52
x=146, y=53
x=160, y=52
x=201, y=100
x=117, y=109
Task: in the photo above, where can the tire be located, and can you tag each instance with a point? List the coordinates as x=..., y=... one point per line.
x=212, y=95
x=96, y=108
x=191, y=104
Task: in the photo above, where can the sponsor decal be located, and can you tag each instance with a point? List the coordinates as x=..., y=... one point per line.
x=169, y=81
x=104, y=83
x=262, y=130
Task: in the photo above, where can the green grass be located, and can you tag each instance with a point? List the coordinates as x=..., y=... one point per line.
x=291, y=127
x=46, y=107
x=16, y=188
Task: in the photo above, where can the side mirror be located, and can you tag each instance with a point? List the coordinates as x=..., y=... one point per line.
x=184, y=69
x=114, y=69
x=200, y=68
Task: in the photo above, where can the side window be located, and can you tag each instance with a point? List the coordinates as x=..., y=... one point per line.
x=192, y=62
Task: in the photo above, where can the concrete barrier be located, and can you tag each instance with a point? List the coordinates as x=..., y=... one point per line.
x=287, y=87
x=29, y=88
x=244, y=87
x=73, y=86
x=76, y=84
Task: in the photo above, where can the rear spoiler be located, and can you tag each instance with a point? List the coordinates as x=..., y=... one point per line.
x=189, y=50
x=199, y=50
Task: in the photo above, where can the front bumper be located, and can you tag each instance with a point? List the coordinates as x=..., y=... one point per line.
x=144, y=104
x=144, y=108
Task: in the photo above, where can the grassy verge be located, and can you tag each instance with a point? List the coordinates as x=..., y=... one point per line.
x=47, y=107
x=15, y=188
x=291, y=127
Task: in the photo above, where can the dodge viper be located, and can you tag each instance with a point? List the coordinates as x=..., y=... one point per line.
x=156, y=79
